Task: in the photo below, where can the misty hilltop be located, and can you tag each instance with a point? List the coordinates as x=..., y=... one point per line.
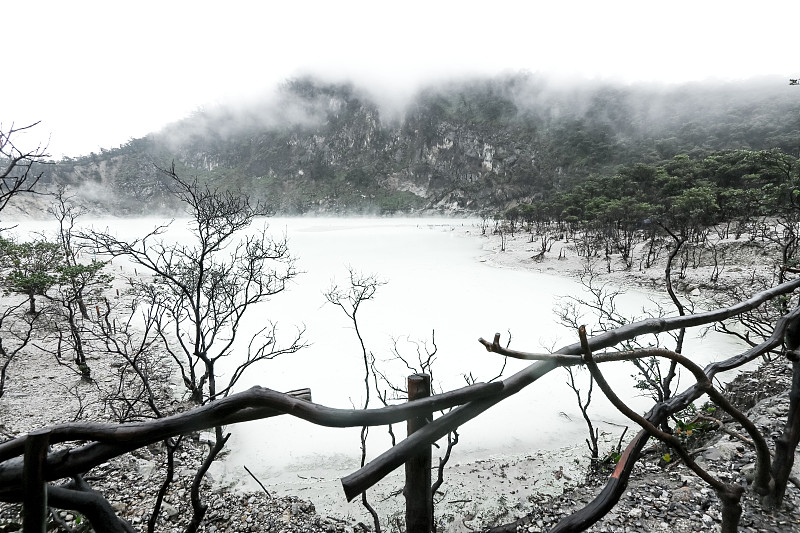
x=466, y=146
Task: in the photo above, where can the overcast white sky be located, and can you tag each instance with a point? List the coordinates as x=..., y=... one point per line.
x=99, y=73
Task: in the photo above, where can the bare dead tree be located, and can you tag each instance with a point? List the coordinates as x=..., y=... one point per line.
x=16, y=329
x=134, y=342
x=729, y=493
x=545, y=245
x=583, y=406
x=204, y=289
x=172, y=445
x=601, y=302
x=361, y=288
x=19, y=173
x=786, y=443
x=142, y=377
x=420, y=360
x=666, y=382
x=67, y=215
x=19, y=167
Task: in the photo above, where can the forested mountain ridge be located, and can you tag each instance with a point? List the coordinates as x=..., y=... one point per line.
x=473, y=145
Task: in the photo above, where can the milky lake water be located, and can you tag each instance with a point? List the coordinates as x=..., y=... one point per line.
x=435, y=281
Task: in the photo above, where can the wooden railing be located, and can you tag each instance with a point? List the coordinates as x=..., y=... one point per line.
x=27, y=466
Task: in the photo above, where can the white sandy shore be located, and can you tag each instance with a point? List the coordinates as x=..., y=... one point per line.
x=737, y=264
x=496, y=488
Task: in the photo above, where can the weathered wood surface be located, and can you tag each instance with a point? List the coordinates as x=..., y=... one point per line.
x=34, y=497
x=378, y=468
x=417, y=491
x=110, y=440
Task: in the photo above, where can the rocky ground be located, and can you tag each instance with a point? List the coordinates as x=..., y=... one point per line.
x=737, y=261
x=669, y=497
x=130, y=482
x=661, y=496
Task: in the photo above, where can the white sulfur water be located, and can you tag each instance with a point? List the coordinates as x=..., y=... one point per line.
x=436, y=281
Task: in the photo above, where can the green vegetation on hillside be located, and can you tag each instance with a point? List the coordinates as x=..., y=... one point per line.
x=685, y=193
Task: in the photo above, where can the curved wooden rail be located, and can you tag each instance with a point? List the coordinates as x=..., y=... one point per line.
x=106, y=441
x=111, y=440
x=378, y=468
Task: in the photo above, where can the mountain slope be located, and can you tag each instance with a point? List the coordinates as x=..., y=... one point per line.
x=469, y=145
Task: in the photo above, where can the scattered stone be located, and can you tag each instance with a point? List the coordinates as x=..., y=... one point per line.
x=683, y=494
x=170, y=510
x=146, y=468
x=722, y=451
x=206, y=437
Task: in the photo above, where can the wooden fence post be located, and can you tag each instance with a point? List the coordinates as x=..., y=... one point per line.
x=34, y=491
x=419, y=504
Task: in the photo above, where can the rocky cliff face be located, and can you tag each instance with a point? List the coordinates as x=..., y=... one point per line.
x=113, y=183
x=487, y=144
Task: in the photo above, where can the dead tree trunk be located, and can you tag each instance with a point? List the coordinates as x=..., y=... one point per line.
x=786, y=444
